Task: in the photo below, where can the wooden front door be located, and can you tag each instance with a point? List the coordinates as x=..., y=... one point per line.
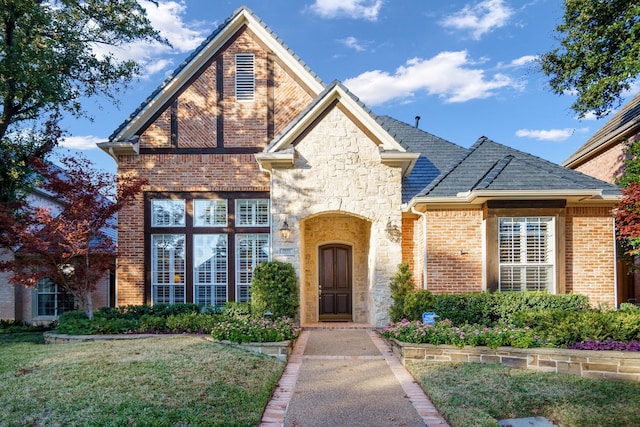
x=335, y=283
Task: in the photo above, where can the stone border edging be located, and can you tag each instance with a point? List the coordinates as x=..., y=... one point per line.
x=280, y=350
x=585, y=363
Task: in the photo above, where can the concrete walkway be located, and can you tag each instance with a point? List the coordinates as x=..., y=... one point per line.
x=346, y=374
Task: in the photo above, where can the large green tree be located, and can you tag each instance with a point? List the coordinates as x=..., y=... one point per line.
x=52, y=55
x=599, y=53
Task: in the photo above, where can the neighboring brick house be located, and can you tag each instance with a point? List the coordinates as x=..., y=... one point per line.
x=602, y=157
x=250, y=157
x=45, y=302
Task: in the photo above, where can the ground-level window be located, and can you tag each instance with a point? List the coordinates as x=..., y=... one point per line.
x=526, y=247
x=203, y=247
x=210, y=269
x=252, y=250
x=52, y=300
x=169, y=268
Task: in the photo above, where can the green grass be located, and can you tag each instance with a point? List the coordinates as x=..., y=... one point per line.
x=165, y=381
x=470, y=394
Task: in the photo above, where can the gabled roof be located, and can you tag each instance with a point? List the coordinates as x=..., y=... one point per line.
x=241, y=18
x=436, y=154
x=280, y=149
x=494, y=170
x=623, y=124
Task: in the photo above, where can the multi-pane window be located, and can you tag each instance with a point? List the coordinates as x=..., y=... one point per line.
x=167, y=213
x=245, y=77
x=251, y=250
x=252, y=212
x=168, y=260
x=210, y=269
x=210, y=213
x=526, y=248
x=203, y=247
x=52, y=300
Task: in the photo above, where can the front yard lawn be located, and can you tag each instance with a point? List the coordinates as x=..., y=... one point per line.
x=471, y=394
x=166, y=381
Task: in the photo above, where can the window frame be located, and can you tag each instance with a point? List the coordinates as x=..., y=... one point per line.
x=494, y=209
x=190, y=230
x=62, y=300
x=522, y=253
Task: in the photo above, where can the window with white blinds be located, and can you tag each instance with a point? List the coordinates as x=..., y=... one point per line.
x=252, y=249
x=245, y=77
x=168, y=268
x=210, y=269
x=526, y=249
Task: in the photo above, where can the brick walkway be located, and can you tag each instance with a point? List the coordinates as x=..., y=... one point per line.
x=276, y=410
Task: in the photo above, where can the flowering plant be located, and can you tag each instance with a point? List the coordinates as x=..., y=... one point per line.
x=467, y=335
x=607, y=345
x=256, y=330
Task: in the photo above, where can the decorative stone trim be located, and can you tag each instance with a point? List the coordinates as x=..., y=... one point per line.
x=618, y=365
x=280, y=350
x=53, y=338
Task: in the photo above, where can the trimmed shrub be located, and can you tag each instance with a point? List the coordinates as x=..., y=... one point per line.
x=274, y=288
x=192, y=323
x=237, y=310
x=401, y=286
x=150, y=323
x=416, y=303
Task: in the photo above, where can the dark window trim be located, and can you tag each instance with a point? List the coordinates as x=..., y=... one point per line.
x=189, y=230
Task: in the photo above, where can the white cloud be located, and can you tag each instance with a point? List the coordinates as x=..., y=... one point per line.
x=447, y=75
x=480, y=18
x=523, y=60
x=87, y=142
x=354, y=9
x=549, y=135
x=353, y=43
x=167, y=18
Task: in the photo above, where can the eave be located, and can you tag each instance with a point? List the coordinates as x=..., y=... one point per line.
x=478, y=197
x=120, y=148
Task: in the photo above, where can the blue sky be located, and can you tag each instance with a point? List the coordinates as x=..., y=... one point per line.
x=465, y=67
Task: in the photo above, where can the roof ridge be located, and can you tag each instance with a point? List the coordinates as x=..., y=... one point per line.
x=433, y=184
x=494, y=172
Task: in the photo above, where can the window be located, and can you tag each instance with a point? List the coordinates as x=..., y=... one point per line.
x=210, y=269
x=526, y=249
x=168, y=268
x=252, y=212
x=245, y=77
x=202, y=247
x=210, y=213
x=167, y=213
x=52, y=300
x=252, y=249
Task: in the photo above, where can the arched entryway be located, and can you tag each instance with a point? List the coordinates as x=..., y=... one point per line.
x=334, y=273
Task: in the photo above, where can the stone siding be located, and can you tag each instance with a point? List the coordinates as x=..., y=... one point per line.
x=337, y=170
x=617, y=365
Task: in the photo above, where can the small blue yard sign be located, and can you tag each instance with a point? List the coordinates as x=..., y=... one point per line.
x=429, y=318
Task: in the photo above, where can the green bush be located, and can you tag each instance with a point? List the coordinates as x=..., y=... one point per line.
x=151, y=323
x=167, y=310
x=192, y=323
x=274, y=288
x=401, y=286
x=487, y=308
x=19, y=326
x=416, y=303
x=237, y=310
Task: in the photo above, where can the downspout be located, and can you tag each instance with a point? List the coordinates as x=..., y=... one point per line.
x=424, y=238
x=615, y=265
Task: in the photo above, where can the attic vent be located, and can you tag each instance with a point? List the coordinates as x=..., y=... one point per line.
x=245, y=77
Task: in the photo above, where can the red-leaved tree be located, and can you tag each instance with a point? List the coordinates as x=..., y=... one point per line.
x=628, y=218
x=68, y=244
